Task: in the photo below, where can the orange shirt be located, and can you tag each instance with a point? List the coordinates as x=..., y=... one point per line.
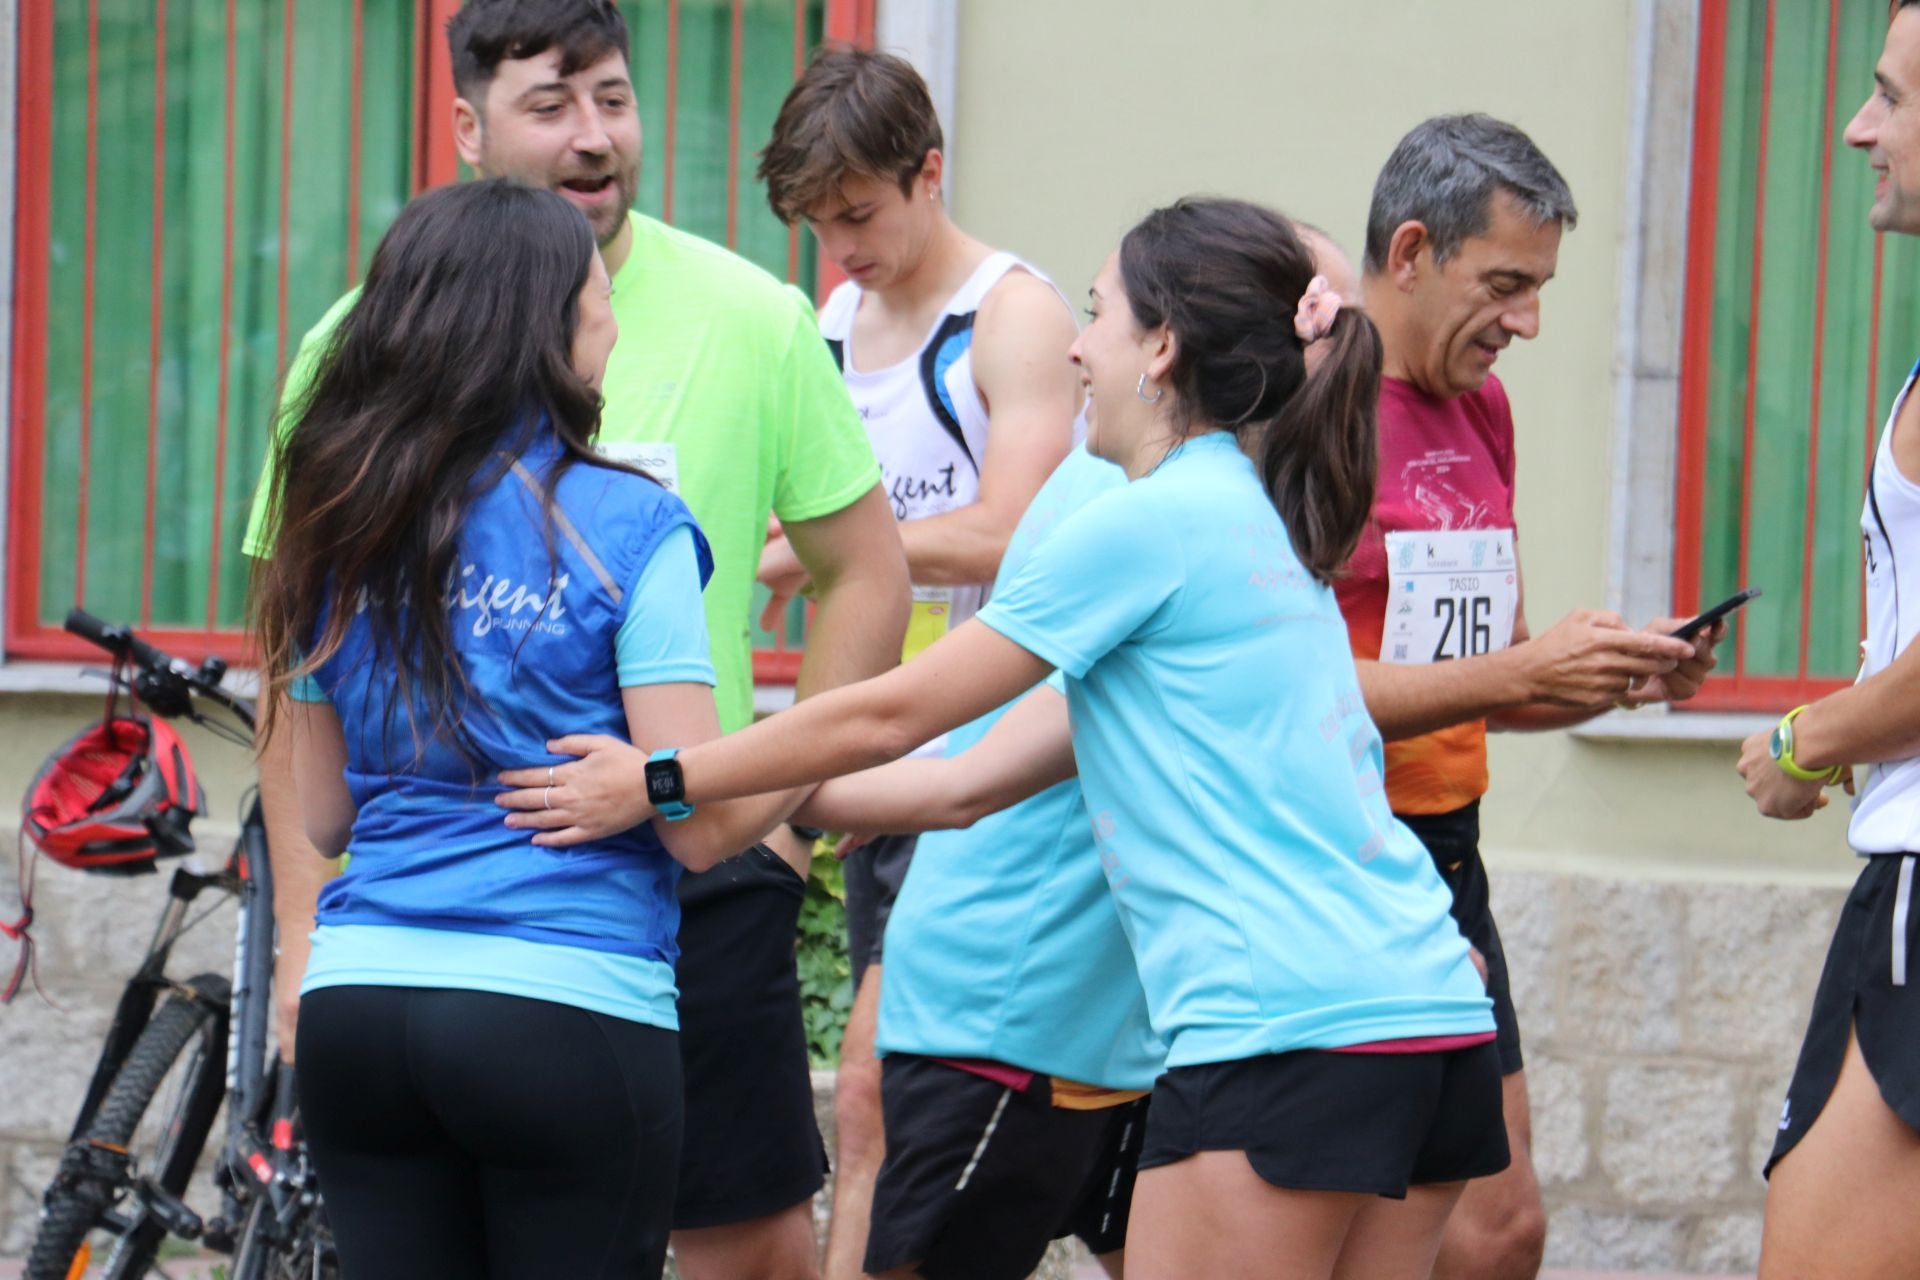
x=1444, y=465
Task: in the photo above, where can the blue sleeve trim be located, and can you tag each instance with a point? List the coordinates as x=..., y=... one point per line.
x=307, y=689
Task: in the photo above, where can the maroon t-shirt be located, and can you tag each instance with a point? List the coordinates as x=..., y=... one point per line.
x=1444, y=465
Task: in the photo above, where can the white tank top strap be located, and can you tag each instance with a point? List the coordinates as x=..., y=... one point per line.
x=836, y=313
x=992, y=270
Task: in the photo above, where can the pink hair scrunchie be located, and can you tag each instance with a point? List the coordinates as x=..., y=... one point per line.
x=1319, y=305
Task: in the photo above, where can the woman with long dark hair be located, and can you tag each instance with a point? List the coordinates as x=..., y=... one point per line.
x=1329, y=1040
x=489, y=1072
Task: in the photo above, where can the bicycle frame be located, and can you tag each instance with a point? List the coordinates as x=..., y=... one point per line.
x=260, y=1144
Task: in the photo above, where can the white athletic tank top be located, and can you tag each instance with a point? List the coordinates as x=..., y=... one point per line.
x=928, y=426
x=1886, y=812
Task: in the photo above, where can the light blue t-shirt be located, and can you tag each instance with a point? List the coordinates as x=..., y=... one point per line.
x=1004, y=943
x=1235, y=781
x=662, y=639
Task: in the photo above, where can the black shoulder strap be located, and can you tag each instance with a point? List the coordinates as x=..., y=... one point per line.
x=930, y=381
x=1893, y=561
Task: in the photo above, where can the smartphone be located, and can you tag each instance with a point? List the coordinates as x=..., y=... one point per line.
x=1695, y=626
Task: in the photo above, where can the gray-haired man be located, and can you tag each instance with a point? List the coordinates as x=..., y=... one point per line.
x=1463, y=234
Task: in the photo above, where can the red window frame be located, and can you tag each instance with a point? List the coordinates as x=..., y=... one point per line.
x=435, y=162
x=1733, y=688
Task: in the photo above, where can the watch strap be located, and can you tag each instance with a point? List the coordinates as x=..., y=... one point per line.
x=1791, y=767
x=674, y=808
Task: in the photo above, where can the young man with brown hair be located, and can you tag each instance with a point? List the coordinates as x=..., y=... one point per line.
x=723, y=390
x=956, y=356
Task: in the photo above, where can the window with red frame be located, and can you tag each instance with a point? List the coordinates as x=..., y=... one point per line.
x=198, y=180
x=1800, y=324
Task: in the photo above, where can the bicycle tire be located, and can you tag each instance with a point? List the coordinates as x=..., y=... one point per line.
x=71, y=1213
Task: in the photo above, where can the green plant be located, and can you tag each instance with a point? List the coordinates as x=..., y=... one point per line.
x=826, y=977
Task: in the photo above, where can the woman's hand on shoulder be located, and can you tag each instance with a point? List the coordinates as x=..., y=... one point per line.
x=600, y=793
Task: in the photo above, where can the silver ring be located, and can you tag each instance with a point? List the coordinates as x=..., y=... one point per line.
x=549, y=775
x=547, y=798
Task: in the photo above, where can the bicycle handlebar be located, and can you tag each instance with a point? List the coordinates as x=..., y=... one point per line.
x=118, y=641
x=160, y=674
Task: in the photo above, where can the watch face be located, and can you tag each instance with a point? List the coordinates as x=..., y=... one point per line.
x=1776, y=745
x=663, y=781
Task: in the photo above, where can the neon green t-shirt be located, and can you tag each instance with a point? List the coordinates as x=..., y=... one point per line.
x=721, y=386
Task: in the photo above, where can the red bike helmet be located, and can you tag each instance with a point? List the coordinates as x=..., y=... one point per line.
x=118, y=797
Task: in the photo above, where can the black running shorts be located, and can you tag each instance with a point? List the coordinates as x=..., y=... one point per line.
x=874, y=874
x=979, y=1176
x=1870, y=987
x=752, y=1147
x=1453, y=839
x=1100, y=1219
x=1316, y=1121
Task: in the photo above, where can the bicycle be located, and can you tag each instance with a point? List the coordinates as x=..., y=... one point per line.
x=198, y=1041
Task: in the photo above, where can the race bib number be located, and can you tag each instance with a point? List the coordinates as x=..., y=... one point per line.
x=1450, y=594
x=931, y=617
x=661, y=461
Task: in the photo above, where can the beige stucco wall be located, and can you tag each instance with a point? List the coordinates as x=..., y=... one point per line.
x=1074, y=117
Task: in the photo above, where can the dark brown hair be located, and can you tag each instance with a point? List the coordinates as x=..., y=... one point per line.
x=852, y=113
x=459, y=345
x=1226, y=277
x=486, y=33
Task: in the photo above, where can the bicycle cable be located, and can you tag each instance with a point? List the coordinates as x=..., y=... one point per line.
x=221, y=729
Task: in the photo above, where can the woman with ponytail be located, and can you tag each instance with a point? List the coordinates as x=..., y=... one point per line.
x=1329, y=1040
x=490, y=1077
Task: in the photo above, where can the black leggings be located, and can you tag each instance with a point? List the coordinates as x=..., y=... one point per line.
x=468, y=1135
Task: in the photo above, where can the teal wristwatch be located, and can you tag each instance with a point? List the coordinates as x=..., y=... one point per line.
x=667, y=785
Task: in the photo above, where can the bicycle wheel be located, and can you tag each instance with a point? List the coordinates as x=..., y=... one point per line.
x=180, y=1055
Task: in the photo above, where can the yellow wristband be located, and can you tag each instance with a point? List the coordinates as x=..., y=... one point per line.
x=1780, y=747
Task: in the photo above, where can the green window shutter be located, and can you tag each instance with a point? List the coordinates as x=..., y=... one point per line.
x=1774, y=217
x=233, y=306
x=702, y=68
x=222, y=333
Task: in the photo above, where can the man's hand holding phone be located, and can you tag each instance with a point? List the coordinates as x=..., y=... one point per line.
x=1705, y=630
x=1591, y=660
x=1686, y=678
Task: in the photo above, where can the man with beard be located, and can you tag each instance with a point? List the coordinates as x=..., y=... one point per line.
x=720, y=387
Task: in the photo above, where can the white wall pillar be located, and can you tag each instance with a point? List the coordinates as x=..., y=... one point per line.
x=927, y=34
